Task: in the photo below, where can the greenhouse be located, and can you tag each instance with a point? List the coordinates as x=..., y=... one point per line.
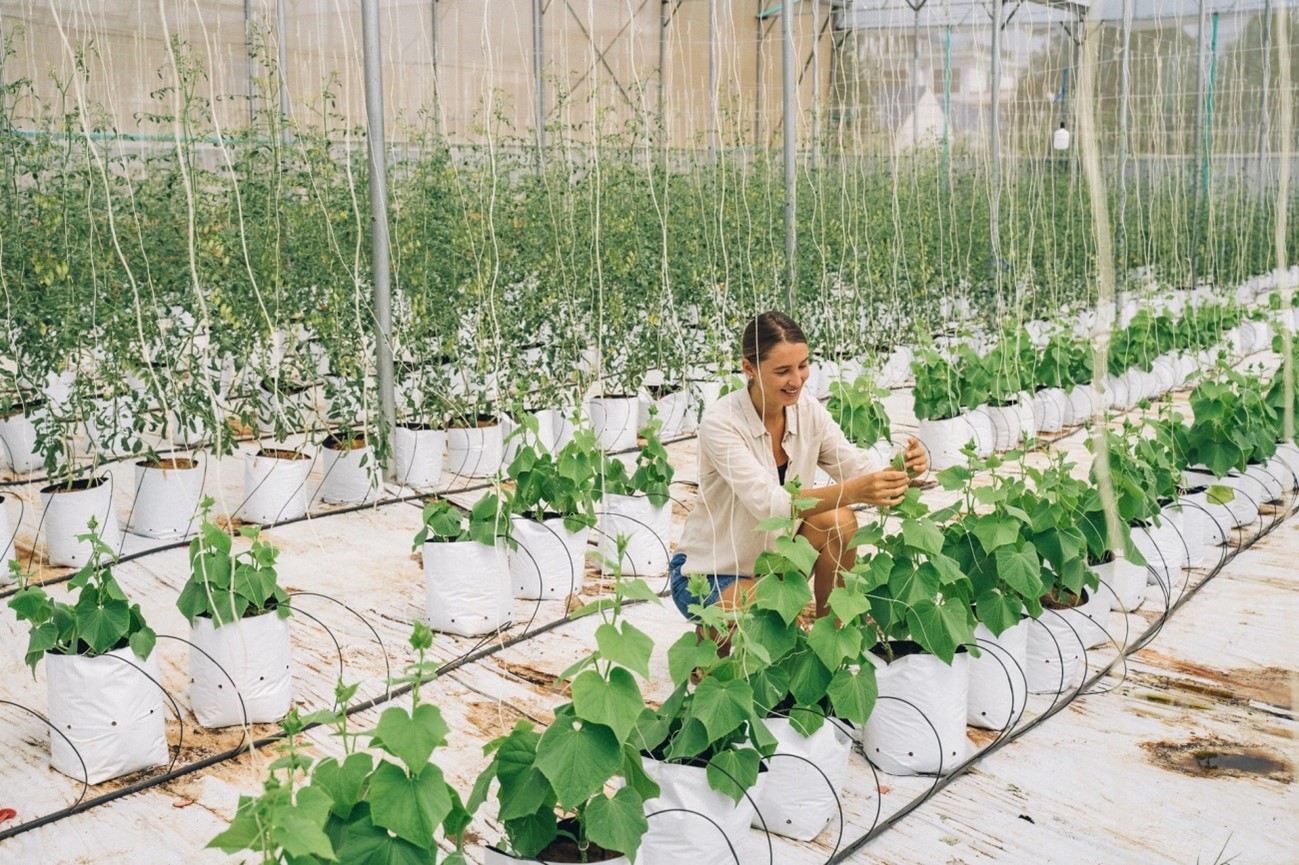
x=649, y=431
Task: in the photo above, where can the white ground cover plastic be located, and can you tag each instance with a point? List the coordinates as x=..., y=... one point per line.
x=805, y=776
x=166, y=501
x=678, y=834
x=549, y=562
x=419, y=454
x=998, y=688
x=475, y=452
x=466, y=587
x=255, y=655
x=647, y=528
x=111, y=712
x=918, y=725
x=68, y=513
x=275, y=489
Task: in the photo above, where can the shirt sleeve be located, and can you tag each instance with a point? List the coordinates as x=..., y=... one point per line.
x=841, y=459
x=723, y=448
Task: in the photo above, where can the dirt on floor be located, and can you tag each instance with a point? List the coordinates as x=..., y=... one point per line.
x=1218, y=758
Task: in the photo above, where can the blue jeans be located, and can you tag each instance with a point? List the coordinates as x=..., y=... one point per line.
x=681, y=594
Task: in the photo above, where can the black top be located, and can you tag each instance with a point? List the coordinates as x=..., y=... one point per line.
x=780, y=471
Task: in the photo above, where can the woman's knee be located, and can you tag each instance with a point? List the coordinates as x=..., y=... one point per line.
x=838, y=525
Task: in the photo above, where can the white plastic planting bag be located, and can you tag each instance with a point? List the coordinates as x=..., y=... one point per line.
x=275, y=489
x=111, y=711
x=1056, y=658
x=647, y=527
x=475, y=452
x=351, y=476
x=255, y=654
x=614, y=421
x=8, y=542
x=985, y=431
x=998, y=689
x=916, y=691
x=796, y=799
x=943, y=440
x=1005, y=426
x=549, y=562
x=67, y=514
x=419, y=454
x=678, y=831
x=466, y=587
x=1122, y=582
x=18, y=444
x=166, y=501
x=1049, y=406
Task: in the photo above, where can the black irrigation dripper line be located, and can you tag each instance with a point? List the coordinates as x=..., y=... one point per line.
x=943, y=782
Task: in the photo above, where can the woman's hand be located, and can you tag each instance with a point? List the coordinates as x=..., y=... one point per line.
x=917, y=460
x=882, y=489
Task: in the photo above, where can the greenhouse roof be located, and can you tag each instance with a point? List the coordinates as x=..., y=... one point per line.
x=874, y=14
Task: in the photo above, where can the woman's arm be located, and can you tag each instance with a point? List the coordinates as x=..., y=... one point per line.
x=883, y=488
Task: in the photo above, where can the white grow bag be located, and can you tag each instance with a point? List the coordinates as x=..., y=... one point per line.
x=1085, y=402
x=475, y=452
x=797, y=800
x=419, y=453
x=985, y=431
x=166, y=501
x=1005, y=425
x=549, y=563
x=672, y=410
x=943, y=440
x=998, y=689
x=254, y=653
x=493, y=856
x=1249, y=493
x=1164, y=547
x=275, y=489
x=1122, y=582
x=647, y=527
x=1288, y=455
x=8, y=540
x=18, y=444
x=68, y=513
x=111, y=711
x=1056, y=656
x=1049, y=407
x=677, y=831
x=466, y=587
x=351, y=476
x=614, y=420
x=898, y=737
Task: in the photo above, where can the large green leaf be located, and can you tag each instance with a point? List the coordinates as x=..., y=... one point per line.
x=532, y=833
x=615, y=702
x=808, y=677
x=343, y=781
x=617, y=822
x=101, y=625
x=1020, y=569
x=577, y=758
x=785, y=595
x=922, y=535
x=832, y=644
x=624, y=644
x=524, y=790
x=411, y=737
x=798, y=550
x=998, y=611
x=853, y=695
x=732, y=771
x=361, y=842
x=912, y=584
x=722, y=706
x=939, y=629
x=994, y=531
x=688, y=653
x=412, y=806
x=769, y=629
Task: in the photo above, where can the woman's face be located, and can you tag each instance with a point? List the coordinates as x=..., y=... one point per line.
x=781, y=375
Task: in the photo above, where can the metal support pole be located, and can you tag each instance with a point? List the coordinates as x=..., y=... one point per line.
x=757, y=81
x=712, y=81
x=437, y=70
x=1285, y=132
x=1125, y=93
x=994, y=147
x=947, y=111
x=378, y=183
x=282, y=61
x=538, y=61
x=915, y=74
x=790, y=94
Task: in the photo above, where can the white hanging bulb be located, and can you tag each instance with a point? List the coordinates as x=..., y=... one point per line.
x=1060, y=140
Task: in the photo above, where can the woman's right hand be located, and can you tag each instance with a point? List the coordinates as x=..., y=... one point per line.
x=883, y=489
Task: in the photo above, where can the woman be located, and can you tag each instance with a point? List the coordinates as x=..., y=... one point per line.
x=750, y=443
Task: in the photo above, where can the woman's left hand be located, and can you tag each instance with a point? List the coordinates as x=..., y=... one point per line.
x=917, y=460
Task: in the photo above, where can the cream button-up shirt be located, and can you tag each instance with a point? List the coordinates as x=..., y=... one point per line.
x=738, y=484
